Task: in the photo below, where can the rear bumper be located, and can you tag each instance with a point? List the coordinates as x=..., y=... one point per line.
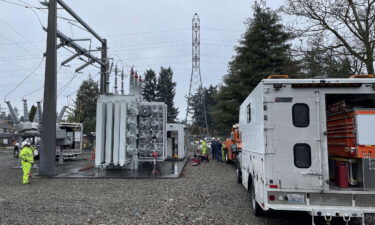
x=323, y=204
x=335, y=211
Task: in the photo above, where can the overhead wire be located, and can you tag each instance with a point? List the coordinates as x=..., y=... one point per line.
x=16, y=32
x=14, y=3
x=19, y=46
x=41, y=9
x=39, y=89
x=67, y=85
x=23, y=80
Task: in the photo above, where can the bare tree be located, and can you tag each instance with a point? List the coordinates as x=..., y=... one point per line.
x=348, y=25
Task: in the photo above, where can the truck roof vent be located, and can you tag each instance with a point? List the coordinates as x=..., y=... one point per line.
x=278, y=77
x=362, y=76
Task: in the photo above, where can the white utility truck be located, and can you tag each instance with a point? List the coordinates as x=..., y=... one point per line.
x=309, y=145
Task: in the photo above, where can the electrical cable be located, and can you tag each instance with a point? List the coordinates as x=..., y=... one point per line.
x=150, y=32
x=25, y=49
x=35, y=91
x=82, y=28
x=20, y=35
x=38, y=17
x=13, y=3
x=67, y=84
x=20, y=83
x=32, y=6
x=29, y=6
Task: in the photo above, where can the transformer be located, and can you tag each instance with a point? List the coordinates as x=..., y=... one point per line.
x=129, y=131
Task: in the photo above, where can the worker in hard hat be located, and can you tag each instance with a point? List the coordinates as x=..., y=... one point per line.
x=27, y=160
x=204, y=150
x=218, y=150
x=223, y=158
x=213, y=148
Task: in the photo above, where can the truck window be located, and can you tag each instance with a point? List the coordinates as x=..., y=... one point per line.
x=248, y=113
x=302, y=155
x=301, y=115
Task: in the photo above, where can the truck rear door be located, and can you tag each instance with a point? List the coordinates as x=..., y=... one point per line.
x=295, y=136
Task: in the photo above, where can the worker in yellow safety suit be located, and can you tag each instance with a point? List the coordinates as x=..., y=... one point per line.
x=27, y=160
x=204, y=148
x=223, y=158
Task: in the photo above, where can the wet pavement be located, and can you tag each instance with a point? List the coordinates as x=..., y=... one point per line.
x=72, y=168
x=166, y=169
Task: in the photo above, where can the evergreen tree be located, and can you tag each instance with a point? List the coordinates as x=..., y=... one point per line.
x=262, y=51
x=209, y=101
x=85, y=106
x=149, y=86
x=165, y=92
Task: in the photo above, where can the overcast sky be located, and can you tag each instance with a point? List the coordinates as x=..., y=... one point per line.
x=144, y=33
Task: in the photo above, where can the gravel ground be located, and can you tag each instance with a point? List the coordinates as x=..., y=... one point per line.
x=205, y=194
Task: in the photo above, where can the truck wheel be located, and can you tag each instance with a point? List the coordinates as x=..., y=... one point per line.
x=16, y=153
x=257, y=210
x=238, y=174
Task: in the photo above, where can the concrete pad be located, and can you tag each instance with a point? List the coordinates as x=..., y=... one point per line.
x=167, y=169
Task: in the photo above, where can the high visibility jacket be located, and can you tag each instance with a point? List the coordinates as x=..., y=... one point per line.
x=223, y=152
x=27, y=154
x=204, y=148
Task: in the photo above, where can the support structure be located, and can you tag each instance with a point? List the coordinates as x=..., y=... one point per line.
x=196, y=83
x=48, y=132
x=48, y=148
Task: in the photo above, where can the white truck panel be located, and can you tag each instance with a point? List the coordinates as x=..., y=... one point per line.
x=269, y=139
x=366, y=129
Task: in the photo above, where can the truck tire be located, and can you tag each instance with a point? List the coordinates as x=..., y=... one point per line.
x=257, y=210
x=16, y=153
x=238, y=173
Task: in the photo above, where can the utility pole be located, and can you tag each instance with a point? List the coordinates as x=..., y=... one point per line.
x=48, y=132
x=196, y=80
x=48, y=150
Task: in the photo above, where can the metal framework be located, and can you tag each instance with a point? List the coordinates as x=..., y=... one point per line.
x=196, y=79
x=48, y=150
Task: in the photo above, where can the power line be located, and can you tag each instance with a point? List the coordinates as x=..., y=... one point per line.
x=63, y=88
x=39, y=89
x=32, y=6
x=16, y=32
x=19, y=46
x=22, y=43
x=20, y=83
x=41, y=9
x=14, y=3
x=150, y=32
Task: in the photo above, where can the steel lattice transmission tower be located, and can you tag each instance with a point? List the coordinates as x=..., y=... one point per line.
x=196, y=81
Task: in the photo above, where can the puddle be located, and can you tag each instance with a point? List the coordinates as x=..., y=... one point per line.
x=166, y=169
